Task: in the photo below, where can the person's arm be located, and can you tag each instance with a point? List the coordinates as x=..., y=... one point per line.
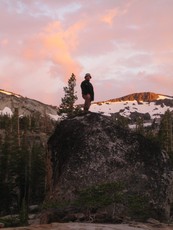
x=84, y=88
x=92, y=94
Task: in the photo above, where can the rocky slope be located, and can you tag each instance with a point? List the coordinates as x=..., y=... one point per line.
x=98, y=171
x=26, y=106
x=144, y=96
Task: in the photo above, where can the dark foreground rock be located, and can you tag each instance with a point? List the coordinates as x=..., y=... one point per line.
x=99, y=172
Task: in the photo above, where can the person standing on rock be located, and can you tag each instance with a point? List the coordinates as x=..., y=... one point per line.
x=87, y=91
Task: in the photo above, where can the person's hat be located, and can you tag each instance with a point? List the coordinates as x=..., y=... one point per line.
x=87, y=74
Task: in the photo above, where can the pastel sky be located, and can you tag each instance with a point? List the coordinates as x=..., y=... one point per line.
x=126, y=45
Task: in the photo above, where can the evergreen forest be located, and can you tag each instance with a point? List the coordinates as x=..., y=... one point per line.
x=22, y=160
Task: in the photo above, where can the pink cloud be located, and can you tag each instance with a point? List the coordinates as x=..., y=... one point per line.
x=3, y=42
x=56, y=45
x=127, y=45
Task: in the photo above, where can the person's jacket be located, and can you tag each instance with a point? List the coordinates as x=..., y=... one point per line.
x=87, y=88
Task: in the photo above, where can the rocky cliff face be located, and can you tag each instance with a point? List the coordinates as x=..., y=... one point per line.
x=144, y=96
x=107, y=172
x=25, y=105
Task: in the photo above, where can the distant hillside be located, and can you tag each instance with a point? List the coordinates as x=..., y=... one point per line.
x=26, y=106
x=143, y=96
x=146, y=104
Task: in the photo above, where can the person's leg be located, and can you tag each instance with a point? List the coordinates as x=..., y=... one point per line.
x=87, y=103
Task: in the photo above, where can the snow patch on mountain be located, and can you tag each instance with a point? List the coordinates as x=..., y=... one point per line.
x=54, y=117
x=6, y=111
x=126, y=108
x=162, y=97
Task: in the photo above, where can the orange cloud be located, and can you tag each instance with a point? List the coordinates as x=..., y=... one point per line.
x=109, y=16
x=4, y=42
x=56, y=44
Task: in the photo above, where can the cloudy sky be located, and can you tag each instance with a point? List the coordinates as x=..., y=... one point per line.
x=126, y=45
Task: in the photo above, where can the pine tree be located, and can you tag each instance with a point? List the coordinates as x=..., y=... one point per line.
x=121, y=121
x=140, y=125
x=5, y=177
x=67, y=107
x=165, y=131
x=37, y=174
x=23, y=215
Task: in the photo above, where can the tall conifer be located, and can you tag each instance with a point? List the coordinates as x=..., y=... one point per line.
x=67, y=106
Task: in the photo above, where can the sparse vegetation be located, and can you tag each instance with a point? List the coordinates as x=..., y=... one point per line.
x=105, y=196
x=138, y=206
x=99, y=196
x=10, y=221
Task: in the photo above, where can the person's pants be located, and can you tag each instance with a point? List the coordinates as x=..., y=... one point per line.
x=87, y=103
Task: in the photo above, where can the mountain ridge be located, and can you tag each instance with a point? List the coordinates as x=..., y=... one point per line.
x=141, y=96
x=26, y=106
x=150, y=105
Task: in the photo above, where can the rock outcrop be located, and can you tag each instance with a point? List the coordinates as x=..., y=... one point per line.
x=99, y=171
x=26, y=106
x=144, y=96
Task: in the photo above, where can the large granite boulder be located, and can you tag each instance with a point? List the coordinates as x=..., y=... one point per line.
x=99, y=171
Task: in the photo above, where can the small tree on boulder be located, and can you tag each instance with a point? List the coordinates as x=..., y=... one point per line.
x=67, y=107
